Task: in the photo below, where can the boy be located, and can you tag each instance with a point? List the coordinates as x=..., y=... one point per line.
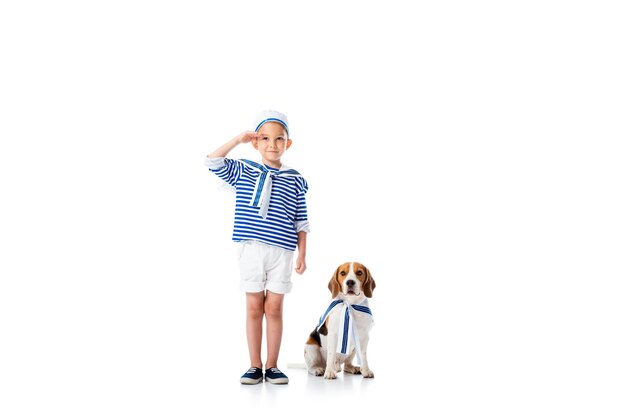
x=270, y=222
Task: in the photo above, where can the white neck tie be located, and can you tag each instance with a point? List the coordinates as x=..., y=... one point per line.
x=263, y=188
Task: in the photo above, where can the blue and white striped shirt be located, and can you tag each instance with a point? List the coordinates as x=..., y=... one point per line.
x=287, y=213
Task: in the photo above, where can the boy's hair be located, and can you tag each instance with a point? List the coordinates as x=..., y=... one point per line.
x=271, y=116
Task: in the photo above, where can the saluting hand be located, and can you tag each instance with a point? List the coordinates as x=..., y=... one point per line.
x=248, y=136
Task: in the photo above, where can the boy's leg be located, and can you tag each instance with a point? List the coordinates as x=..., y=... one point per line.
x=254, y=326
x=274, y=331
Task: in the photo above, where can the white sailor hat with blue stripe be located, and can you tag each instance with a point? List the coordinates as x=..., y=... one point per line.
x=271, y=116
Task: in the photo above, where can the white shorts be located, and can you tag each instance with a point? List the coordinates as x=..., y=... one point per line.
x=264, y=266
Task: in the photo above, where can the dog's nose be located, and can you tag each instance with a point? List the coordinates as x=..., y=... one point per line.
x=350, y=283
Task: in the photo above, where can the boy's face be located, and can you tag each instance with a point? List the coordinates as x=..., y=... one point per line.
x=272, y=144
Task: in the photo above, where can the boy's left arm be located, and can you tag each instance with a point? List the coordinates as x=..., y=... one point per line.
x=301, y=260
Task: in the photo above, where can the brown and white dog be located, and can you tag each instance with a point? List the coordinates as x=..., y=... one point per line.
x=351, y=284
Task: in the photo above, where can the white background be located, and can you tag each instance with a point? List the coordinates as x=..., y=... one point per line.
x=471, y=154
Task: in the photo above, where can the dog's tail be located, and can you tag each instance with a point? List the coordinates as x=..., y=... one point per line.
x=296, y=366
x=314, y=339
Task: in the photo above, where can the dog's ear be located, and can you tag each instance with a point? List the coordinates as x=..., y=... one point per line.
x=333, y=284
x=369, y=285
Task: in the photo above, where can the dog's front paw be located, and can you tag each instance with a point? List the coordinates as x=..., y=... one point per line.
x=318, y=371
x=367, y=373
x=352, y=369
x=330, y=374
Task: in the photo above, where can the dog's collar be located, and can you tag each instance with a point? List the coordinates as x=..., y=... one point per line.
x=350, y=334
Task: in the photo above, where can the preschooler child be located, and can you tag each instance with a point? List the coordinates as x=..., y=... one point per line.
x=270, y=223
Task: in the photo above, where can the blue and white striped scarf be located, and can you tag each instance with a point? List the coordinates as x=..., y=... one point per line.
x=349, y=335
x=263, y=188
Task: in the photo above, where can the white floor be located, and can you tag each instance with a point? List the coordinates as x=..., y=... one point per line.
x=302, y=385
x=314, y=396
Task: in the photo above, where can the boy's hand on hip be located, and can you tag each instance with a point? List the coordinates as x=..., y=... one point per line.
x=300, y=265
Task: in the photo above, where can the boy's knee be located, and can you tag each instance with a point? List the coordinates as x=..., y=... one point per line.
x=273, y=308
x=255, y=312
x=255, y=308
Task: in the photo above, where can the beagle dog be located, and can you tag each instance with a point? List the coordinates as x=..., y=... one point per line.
x=343, y=330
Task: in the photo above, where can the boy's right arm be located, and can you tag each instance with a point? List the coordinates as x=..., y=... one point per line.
x=242, y=138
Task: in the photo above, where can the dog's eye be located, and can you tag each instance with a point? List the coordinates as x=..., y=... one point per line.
x=343, y=273
x=359, y=273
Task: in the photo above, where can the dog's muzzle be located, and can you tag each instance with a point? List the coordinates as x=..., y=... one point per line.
x=351, y=288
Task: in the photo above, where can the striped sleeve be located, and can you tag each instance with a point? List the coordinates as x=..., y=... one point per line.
x=302, y=218
x=225, y=168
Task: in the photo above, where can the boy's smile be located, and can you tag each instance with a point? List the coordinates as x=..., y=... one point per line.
x=272, y=143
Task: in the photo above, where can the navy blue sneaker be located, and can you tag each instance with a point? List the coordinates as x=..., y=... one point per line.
x=253, y=376
x=275, y=376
